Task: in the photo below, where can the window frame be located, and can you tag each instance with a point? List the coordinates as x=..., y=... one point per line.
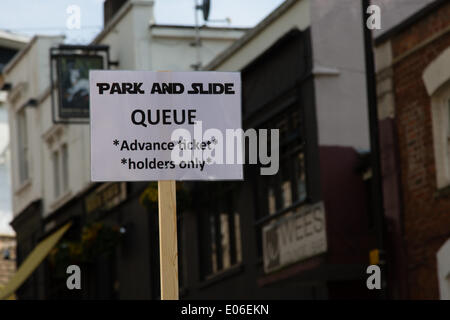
x=210, y=223
x=306, y=137
x=57, y=141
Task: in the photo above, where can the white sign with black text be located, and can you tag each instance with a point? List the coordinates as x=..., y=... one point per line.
x=294, y=238
x=152, y=126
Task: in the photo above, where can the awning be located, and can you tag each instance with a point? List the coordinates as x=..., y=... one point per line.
x=33, y=260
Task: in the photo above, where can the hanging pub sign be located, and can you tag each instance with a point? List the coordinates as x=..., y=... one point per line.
x=69, y=79
x=151, y=126
x=73, y=84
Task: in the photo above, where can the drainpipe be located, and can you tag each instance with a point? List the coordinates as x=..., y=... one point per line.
x=377, y=188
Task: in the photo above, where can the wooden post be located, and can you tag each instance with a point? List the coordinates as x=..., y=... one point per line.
x=168, y=248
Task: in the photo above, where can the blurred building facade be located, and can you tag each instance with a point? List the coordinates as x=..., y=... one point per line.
x=51, y=162
x=305, y=232
x=413, y=79
x=296, y=68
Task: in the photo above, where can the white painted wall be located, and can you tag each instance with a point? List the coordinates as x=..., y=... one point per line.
x=5, y=179
x=29, y=76
x=341, y=100
x=171, y=49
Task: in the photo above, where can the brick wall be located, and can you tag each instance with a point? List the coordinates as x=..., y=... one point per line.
x=426, y=212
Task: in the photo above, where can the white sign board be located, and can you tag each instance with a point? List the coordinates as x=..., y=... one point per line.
x=295, y=238
x=165, y=125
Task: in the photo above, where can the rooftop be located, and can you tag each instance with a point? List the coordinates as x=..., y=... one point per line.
x=12, y=40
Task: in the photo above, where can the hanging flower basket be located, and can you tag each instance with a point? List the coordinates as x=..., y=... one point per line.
x=95, y=239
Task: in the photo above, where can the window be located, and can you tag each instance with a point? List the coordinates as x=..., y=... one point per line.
x=445, y=105
x=446, y=140
x=288, y=186
x=448, y=119
x=447, y=282
x=286, y=189
x=224, y=242
x=60, y=160
x=220, y=235
x=436, y=78
x=22, y=142
x=56, y=175
x=441, y=135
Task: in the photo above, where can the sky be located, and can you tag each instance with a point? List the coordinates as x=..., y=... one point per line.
x=50, y=16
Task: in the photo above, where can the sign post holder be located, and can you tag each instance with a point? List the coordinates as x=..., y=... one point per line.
x=168, y=239
x=168, y=248
x=115, y=94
